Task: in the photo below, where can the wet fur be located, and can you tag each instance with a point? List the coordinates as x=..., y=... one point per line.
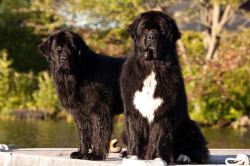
x=171, y=132
x=87, y=86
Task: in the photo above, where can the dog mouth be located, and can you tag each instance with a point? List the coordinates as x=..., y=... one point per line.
x=64, y=69
x=150, y=53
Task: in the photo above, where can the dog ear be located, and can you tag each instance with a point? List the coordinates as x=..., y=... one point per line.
x=79, y=45
x=172, y=32
x=176, y=34
x=133, y=27
x=83, y=48
x=45, y=48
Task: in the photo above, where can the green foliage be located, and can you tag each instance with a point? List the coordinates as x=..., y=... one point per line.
x=110, y=20
x=15, y=88
x=221, y=2
x=23, y=24
x=45, y=16
x=218, y=89
x=45, y=96
x=114, y=42
x=112, y=13
x=25, y=90
x=4, y=78
x=21, y=88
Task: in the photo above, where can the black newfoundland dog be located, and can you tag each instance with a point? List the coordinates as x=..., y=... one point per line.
x=157, y=124
x=87, y=86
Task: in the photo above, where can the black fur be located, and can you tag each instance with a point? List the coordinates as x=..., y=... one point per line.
x=87, y=86
x=171, y=132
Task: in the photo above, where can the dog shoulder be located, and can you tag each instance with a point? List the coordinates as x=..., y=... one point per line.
x=128, y=73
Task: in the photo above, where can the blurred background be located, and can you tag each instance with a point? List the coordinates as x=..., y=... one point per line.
x=214, y=52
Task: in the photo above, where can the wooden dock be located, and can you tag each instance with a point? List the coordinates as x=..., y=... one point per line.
x=60, y=157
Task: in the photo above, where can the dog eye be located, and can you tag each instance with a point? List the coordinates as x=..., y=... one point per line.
x=144, y=30
x=72, y=48
x=58, y=47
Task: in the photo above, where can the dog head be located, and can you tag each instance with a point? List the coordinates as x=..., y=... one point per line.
x=64, y=50
x=154, y=34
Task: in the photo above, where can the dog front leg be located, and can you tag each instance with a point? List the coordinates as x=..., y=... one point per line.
x=84, y=132
x=160, y=144
x=101, y=136
x=136, y=137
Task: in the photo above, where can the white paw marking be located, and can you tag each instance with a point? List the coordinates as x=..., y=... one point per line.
x=183, y=159
x=132, y=157
x=144, y=101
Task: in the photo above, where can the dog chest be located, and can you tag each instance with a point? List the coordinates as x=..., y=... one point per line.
x=144, y=100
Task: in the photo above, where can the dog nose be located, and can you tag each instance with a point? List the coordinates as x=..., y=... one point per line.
x=63, y=58
x=152, y=37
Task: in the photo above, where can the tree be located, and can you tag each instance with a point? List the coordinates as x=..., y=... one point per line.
x=106, y=21
x=23, y=24
x=117, y=13
x=214, y=15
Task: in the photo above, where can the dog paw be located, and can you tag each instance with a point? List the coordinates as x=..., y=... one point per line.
x=123, y=154
x=76, y=155
x=183, y=159
x=132, y=157
x=92, y=156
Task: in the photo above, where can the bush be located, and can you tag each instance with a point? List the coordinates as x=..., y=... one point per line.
x=15, y=88
x=25, y=90
x=111, y=42
x=45, y=96
x=4, y=78
x=219, y=89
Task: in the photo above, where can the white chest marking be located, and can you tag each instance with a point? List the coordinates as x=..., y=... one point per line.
x=144, y=100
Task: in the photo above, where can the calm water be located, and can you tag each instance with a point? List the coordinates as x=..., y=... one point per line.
x=61, y=134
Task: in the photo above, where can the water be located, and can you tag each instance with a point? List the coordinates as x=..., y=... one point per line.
x=61, y=134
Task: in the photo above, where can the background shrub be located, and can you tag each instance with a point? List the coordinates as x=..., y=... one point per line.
x=217, y=90
x=45, y=96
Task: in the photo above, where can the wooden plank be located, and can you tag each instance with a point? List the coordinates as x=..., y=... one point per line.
x=60, y=156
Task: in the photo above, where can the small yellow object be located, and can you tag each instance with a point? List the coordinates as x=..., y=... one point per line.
x=113, y=143
x=113, y=148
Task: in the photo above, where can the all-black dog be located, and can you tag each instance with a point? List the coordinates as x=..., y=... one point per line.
x=87, y=86
x=157, y=124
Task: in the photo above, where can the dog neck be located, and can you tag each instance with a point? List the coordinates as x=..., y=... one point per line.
x=66, y=88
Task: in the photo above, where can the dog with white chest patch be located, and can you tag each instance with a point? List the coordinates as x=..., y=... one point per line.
x=157, y=124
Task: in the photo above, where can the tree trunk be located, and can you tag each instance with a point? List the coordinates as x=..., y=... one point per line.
x=211, y=37
x=212, y=48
